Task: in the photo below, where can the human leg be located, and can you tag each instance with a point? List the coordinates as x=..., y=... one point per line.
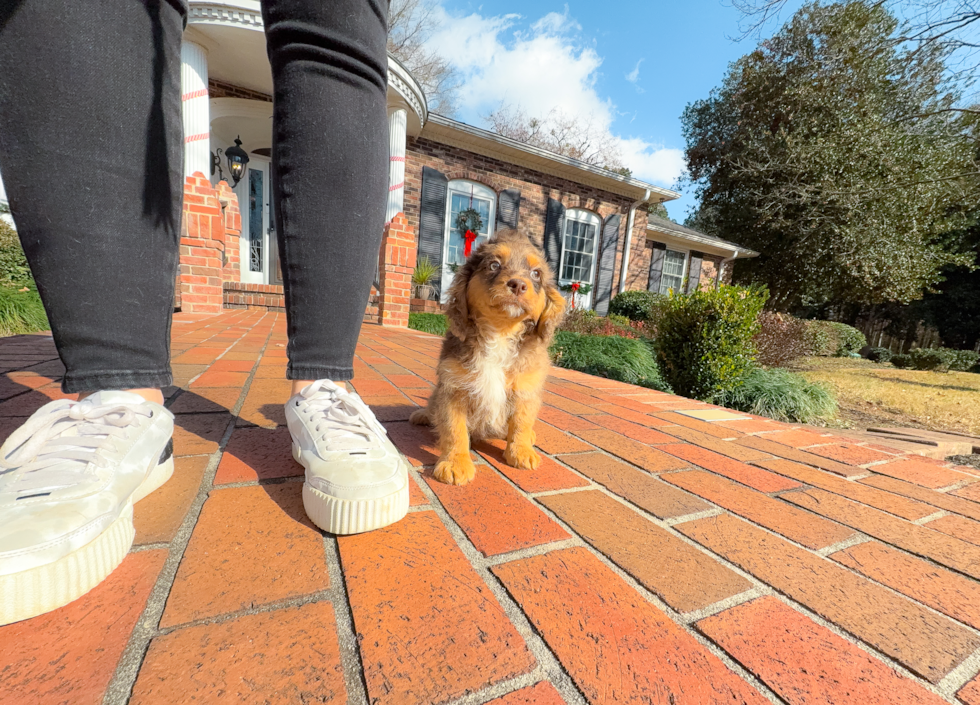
x=90, y=147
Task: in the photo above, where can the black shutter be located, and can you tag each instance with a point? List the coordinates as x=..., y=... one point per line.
x=554, y=226
x=656, y=266
x=508, y=208
x=432, y=219
x=607, y=262
x=694, y=275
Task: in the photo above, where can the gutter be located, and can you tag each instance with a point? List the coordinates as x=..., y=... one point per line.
x=721, y=267
x=629, y=239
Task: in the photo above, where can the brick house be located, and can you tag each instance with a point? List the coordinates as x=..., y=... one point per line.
x=589, y=220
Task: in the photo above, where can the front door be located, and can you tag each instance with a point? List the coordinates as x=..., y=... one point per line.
x=257, y=241
x=462, y=196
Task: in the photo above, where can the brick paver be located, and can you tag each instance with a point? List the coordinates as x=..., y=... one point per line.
x=641, y=562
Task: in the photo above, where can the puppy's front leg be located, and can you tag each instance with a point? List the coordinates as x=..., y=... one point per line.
x=520, y=430
x=455, y=466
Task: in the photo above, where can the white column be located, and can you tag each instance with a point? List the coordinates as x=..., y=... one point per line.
x=196, y=108
x=397, y=135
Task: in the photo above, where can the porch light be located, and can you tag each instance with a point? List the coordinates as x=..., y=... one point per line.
x=237, y=159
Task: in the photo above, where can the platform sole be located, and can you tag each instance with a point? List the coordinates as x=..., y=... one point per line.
x=48, y=587
x=352, y=516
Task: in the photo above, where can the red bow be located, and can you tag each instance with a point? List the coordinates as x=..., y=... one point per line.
x=470, y=237
x=575, y=286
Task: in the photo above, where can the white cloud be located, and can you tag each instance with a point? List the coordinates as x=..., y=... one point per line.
x=540, y=66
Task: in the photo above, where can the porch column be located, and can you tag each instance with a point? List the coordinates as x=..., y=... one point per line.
x=196, y=108
x=397, y=134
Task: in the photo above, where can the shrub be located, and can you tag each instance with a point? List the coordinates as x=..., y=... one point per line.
x=436, y=323
x=938, y=359
x=590, y=323
x=963, y=360
x=623, y=359
x=14, y=271
x=782, y=395
x=902, y=362
x=635, y=305
x=820, y=338
x=781, y=339
x=704, y=340
x=21, y=312
x=849, y=339
x=880, y=355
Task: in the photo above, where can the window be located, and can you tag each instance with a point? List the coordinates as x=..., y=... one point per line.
x=675, y=266
x=464, y=195
x=579, y=247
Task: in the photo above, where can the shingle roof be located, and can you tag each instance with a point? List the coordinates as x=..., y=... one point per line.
x=655, y=222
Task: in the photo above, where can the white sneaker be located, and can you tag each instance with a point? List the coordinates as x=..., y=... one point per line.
x=68, y=480
x=356, y=480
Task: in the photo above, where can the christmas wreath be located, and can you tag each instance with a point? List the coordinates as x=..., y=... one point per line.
x=469, y=224
x=576, y=288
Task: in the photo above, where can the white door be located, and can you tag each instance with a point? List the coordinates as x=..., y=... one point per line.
x=255, y=201
x=464, y=195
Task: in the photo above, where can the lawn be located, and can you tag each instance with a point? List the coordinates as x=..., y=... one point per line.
x=872, y=394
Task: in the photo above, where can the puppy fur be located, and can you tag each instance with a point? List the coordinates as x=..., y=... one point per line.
x=503, y=311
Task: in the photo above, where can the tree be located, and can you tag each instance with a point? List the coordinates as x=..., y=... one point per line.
x=834, y=156
x=410, y=24
x=579, y=138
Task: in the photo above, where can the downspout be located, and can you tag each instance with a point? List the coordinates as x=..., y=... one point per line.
x=721, y=268
x=629, y=239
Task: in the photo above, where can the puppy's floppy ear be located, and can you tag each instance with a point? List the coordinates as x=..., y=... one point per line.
x=554, y=312
x=458, y=310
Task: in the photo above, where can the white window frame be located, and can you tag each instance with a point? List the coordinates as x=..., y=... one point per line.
x=580, y=215
x=684, y=270
x=463, y=187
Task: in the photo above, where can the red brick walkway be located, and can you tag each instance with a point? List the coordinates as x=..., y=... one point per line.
x=655, y=557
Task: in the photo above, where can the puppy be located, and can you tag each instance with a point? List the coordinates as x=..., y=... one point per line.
x=503, y=311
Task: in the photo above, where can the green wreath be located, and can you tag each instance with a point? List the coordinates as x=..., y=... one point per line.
x=469, y=219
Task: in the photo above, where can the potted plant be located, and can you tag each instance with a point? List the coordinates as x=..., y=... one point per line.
x=424, y=272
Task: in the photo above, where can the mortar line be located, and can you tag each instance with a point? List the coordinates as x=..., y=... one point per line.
x=120, y=687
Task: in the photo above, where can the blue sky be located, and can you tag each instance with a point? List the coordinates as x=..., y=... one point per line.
x=629, y=66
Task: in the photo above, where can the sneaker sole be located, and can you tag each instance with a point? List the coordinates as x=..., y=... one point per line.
x=45, y=588
x=352, y=516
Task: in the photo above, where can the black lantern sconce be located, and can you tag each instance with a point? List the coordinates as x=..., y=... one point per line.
x=236, y=158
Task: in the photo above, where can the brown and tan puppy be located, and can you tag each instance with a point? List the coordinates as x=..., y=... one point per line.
x=503, y=311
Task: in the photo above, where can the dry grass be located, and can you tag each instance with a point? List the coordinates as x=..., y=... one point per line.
x=874, y=393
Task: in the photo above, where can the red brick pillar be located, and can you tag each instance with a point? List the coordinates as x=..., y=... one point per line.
x=205, y=244
x=397, y=262
x=231, y=272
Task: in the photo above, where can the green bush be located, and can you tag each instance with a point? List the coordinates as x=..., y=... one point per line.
x=782, y=395
x=964, y=360
x=429, y=322
x=635, y=305
x=624, y=359
x=705, y=339
x=938, y=359
x=849, y=339
x=21, y=312
x=902, y=362
x=14, y=271
x=880, y=355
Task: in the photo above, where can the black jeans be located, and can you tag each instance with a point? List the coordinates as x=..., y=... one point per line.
x=91, y=149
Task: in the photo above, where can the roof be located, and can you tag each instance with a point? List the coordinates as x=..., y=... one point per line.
x=682, y=232
x=444, y=130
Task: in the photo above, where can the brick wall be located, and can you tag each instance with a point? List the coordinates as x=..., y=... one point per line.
x=536, y=188
x=265, y=296
x=210, y=228
x=396, y=264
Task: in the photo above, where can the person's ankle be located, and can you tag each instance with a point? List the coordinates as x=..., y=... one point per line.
x=300, y=384
x=153, y=395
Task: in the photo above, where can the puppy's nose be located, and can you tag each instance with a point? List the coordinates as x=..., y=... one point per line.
x=518, y=286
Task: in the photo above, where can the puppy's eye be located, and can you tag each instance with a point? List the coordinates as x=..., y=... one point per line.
x=494, y=266
x=535, y=274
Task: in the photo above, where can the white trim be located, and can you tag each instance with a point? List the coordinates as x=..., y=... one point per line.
x=711, y=246
x=685, y=270
x=462, y=187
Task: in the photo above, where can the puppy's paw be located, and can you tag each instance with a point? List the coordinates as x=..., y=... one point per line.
x=522, y=456
x=457, y=470
x=420, y=417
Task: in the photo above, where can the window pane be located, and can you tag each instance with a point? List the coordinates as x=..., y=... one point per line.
x=673, y=272
x=578, y=252
x=456, y=245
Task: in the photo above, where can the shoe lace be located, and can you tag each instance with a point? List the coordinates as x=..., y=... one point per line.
x=58, y=450
x=342, y=420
